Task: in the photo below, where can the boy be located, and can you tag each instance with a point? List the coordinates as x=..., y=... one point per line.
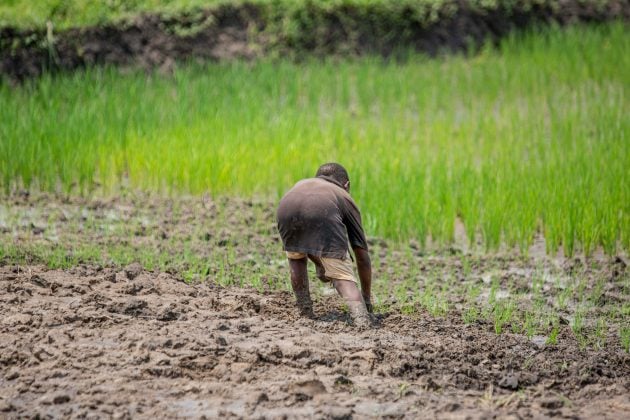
x=316, y=220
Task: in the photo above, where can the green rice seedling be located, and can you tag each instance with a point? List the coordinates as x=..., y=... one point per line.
x=120, y=255
x=407, y=300
x=597, y=292
x=426, y=141
x=190, y=276
x=473, y=290
x=529, y=324
x=494, y=288
x=434, y=302
x=401, y=293
x=581, y=289
x=470, y=315
x=488, y=309
x=578, y=322
x=517, y=320
x=61, y=258
x=502, y=314
x=256, y=282
x=624, y=337
x=466, y=267
x=577, y=326
x=562, y=297
x=380, y=304
x=407, y=309
x=600, y=333
x=14, y=254
x=552, y=340
x=538, y=282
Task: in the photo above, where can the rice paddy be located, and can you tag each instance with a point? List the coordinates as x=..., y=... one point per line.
x=141, y=269
x=234, y=243
x=527, y=138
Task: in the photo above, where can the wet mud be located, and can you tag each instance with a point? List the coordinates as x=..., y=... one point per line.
x=123, y=343
x=140, y=306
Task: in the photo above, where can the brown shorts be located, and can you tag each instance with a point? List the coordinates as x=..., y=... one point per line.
x=334, y=268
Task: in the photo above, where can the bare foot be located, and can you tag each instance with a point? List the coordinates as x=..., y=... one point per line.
x=360, y=316
x=304, y=304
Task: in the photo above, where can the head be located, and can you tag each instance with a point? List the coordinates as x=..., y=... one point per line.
x=336, y=172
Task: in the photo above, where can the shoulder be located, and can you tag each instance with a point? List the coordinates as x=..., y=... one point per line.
x=302, y=184
x=307, y=182
x=348, y=202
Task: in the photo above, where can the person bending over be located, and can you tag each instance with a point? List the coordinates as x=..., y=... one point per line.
x=317, y=219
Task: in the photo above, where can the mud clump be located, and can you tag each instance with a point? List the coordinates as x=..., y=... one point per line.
x=89, y=348
x=133, y=270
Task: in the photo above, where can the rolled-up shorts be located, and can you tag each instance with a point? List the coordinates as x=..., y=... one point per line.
x=334, y=268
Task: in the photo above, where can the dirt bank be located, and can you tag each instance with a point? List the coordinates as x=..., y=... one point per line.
x=249, y=31
x=130, y=343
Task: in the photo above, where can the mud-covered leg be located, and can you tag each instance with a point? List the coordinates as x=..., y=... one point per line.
x=299, y=283
x=350, y=292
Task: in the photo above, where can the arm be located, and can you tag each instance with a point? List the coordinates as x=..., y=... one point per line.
x=364, y=267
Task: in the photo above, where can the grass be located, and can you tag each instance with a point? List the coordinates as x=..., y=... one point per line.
x=525, y=138
x=624, y=334
x=77, y=13
x=73, y=13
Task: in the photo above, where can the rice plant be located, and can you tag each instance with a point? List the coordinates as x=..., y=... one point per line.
x=529, y=137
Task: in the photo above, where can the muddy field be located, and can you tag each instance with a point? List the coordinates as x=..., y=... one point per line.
x=141, y=306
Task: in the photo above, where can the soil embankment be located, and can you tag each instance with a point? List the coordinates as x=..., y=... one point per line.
x=252, y=30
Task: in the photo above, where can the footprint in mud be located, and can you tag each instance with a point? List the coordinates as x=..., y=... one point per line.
x=169, y=313
x=243, y=328
x=306, y=390
x=334, y=316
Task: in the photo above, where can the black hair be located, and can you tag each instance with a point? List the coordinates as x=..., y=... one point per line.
x=335, y=171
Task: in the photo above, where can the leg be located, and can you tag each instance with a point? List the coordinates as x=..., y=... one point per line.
x=320, y=271
x=299, y=283
x=350, y=292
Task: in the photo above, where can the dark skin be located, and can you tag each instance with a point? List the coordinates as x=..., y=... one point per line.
x=346, y=289
x=364, y=267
